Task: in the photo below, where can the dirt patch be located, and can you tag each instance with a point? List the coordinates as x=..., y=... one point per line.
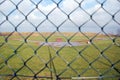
x=60, y=44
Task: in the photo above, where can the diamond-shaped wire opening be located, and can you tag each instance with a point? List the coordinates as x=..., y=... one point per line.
x=36, y=17
x=26, y=6
x=7, y=7
x=25, y=71
x=57, y=41
x=79, y=17
x=101, y=39
x=56, y=37
x=15, y=41
x=111, y=6
x=79, y=37
x=112, y=29
x=38, y=64
x=16, y=38
x=46, y=6
x=75, y=42
x=59, y=66
x=16, y=17
x=100, y=16
x=4, y=52
x=90, y=29
x=68, y=54
x=90, y=6
x=15, y=65
x=44, y=53
x=112, y=55
x=90, y=53
x=101, y=64
x=53, y=17
x=70, y=7
x=7, y=27
x=25, y=26
x=25, y=52
x=46, y=26
x=80, y=64
x=35, y=40
x=68, y=26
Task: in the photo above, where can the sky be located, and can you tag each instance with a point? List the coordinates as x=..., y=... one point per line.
x=47, y=17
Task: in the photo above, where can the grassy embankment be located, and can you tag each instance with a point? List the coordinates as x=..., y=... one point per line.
x=29, y=58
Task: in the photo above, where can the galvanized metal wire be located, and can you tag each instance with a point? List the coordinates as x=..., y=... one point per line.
x=54, y=57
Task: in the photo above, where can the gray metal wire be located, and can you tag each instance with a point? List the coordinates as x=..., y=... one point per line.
x=10, y=51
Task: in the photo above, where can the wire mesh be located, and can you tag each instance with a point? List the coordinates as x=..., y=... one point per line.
x=59, y=39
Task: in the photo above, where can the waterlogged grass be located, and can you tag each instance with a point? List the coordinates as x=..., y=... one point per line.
x=28, y=58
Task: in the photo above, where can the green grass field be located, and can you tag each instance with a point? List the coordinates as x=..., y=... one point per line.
x=25, y=59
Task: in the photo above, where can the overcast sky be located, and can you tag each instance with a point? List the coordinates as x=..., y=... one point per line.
x=58, y=16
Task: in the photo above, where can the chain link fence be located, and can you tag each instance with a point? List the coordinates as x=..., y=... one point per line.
x=59, y=39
